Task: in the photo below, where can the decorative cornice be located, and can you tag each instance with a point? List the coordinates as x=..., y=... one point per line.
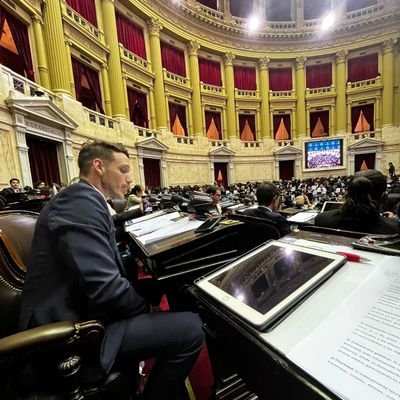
x=154, y=26
x=193, y=48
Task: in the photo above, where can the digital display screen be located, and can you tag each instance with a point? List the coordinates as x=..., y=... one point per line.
x=268, y=278
x=324, y=154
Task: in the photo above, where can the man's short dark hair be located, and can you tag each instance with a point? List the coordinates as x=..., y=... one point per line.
x=265, y=193
x=212, y=189
x=14, y=179
x=98, y=149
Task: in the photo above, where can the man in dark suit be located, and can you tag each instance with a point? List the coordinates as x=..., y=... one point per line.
x=13, y=188
x=76, y=273
x=268, y=203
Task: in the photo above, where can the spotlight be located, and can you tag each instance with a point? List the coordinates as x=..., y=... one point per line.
x=328, y=21
x=253, y=23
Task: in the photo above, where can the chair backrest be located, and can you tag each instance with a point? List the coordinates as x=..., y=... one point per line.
x=16, y=233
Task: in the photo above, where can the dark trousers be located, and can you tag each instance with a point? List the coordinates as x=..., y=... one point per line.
x=174, y=339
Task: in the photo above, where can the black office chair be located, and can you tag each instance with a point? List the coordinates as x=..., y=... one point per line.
x=57, y=347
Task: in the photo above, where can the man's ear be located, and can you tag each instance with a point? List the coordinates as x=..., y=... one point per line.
x=98, y=165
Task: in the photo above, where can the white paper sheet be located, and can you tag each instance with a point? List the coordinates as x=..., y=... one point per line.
x=302, y=216
x=356, y=350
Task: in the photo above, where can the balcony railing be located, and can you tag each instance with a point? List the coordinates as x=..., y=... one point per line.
x=180, y=80
x=366, y=84
x=135, y=59
x=364, y=12
x=281, y=25
x=99, y=119
x=251, y=144
x=210, y=11
x=284, y=94
x=205, y=87
x=146, y=133
x=218, y=143
x=183, y=139
x=247, y=93
x=363, y=135
x=321, y=91
x=76, y=18
x=20, y=84
x=285, y=142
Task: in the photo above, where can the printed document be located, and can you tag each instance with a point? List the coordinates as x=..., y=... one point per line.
x=356, y=350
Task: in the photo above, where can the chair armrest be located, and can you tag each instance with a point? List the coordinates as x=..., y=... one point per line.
x=59, y=333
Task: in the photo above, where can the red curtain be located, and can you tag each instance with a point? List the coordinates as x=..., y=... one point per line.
x=217, y=120
x=209, y=3
x=138, y=108
x=368, y=111
x=210, y=72
x=130, y=35
x=19, y=33
x=252, y=123
x=245, y=78
x=221, y=167
x=152, y=176
x=86, y=8
x=92, y=77
x=280, y=79
x=43, y=160
x=286, y=169
x=286, y=121
x=323, y=116
x=319, y=76
x=173, y=59
x=175, y=109
x=368, y=159
x=362, y=68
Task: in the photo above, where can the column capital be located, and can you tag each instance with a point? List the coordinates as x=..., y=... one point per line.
x=228, y=58
x=104, y=65
x=154, y=26
x=68, y=42
x=300, y=61
x=341, y=56
x=388, y=45
x=263, y=62
x=37, y=19
x=193, y=48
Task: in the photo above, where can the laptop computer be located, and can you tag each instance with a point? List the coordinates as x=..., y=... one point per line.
x=331, y=205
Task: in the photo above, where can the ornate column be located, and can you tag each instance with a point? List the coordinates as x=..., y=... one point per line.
x=106, y=89
x=264, y=91
x=68, y=45
x=341, y=117
x=114, y=62
x=126, y=101
x=388, y=81
x=190, y=117
x=58, y=62
x=41, y=52
x=230, y=91
x=155, y=26
x=193, y=47
x=153, y=121
x=300, y=93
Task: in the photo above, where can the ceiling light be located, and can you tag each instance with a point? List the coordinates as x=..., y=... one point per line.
x=328, y=21
x=253, y=23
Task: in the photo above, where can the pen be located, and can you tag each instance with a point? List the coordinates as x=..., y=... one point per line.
x=353, y=257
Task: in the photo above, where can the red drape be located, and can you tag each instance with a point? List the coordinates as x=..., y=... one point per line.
x=175, y=109
x=210, y=72
x=324, y=117
x=152, y=176
x=280, y=79
x=319, y=75
x=130, y=35
x=173, y=59
x=86, y=8
x=362, y=68
x=221, y=169
x=368, y=111
x=92, y=77
x=217, y=120
x=43, y=160
x=209, y=3
x=138, y=108
x=19, y=33
x=286, y=169
x=252, y=123
x=245, y=78
x=367, y=159
x=286, y=121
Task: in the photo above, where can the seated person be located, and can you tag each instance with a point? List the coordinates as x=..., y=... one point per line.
x=75, y=273
x=360, y=211
x=13, y=193
x=268, y=203
x=135, y=197
x=215, y=194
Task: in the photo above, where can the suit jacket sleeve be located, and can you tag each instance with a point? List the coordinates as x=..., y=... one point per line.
x=87, y=245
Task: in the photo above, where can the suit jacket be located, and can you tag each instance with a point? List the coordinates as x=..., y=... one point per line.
x=332, y=219
x=263, y=212
x=75, y=271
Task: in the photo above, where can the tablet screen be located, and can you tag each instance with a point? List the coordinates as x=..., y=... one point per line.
x=261, y=285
